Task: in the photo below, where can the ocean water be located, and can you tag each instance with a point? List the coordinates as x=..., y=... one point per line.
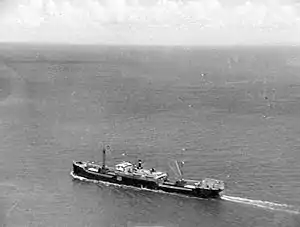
x=235, y=111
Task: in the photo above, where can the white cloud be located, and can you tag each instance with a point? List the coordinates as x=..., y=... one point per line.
x=150, y=22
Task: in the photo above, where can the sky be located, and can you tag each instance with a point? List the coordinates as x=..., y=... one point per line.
x=151, y=22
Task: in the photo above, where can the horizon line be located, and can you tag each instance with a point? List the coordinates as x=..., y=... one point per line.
x=148, y=45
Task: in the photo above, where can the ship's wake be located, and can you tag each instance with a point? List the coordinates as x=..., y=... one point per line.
x=258, y=203
x=263, y=204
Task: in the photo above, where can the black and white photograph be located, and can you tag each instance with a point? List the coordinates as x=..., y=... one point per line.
x=149, y=113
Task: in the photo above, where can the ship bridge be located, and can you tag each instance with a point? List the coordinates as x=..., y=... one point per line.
x=129, y=168
x=124, y=167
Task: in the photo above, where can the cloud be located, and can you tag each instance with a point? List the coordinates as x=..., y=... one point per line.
x=178, y=22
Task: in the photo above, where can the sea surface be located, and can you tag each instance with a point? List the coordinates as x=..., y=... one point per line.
x=229, y=113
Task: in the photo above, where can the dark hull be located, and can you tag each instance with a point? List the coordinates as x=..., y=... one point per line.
x=199, y=193
x=139, y=183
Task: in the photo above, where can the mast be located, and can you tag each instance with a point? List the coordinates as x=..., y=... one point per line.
x=179, y=165
x=178, y=169
x=103, y=157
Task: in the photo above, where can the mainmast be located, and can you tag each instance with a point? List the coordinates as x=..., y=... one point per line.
x=104, y=156
x=178, y=166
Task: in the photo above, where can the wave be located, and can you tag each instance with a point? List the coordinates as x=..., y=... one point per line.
x=12, y=100
x=263, y=204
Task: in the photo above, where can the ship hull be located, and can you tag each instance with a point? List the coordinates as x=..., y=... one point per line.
x=120, y=179
x=199, y=193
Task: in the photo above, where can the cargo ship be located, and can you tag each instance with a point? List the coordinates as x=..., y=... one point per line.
x=128, y=174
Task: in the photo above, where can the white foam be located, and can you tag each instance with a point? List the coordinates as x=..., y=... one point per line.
x=262, y=204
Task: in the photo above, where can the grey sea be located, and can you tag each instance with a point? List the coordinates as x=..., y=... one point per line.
x=229, y=113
